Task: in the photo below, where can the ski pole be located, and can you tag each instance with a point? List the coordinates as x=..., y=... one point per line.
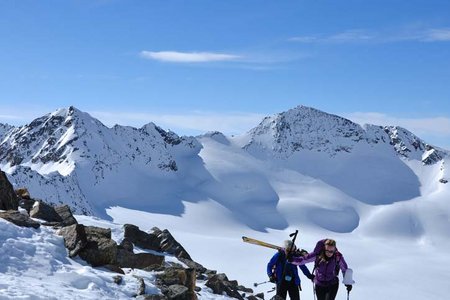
x=256, y=284
x=348, y=295
x=314, y=291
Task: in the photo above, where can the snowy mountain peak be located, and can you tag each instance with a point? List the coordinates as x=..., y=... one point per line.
x=308, y=129
x=304, y=128
x=72, y=144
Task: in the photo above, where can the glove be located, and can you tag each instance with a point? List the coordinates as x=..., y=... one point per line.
x=272, y=278
x=312, y=277
x=349, y=287
x=301, y=252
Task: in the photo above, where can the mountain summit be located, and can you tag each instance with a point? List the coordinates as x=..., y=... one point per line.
x=70, y=157
x=308, y=129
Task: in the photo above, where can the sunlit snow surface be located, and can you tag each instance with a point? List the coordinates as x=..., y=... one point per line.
x=390, y=214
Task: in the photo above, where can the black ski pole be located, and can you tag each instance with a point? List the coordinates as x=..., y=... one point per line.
x=288, y=254
x=256, y=283
x=348, y=295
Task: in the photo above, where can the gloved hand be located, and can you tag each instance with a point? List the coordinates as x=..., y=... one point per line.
x=272, y=278
x=301, y=252
x=312, y=277
x=349, y=287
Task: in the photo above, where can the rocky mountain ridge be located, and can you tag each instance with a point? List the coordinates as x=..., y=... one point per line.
x=175, y=281
x=69, y=157
x=308, y=129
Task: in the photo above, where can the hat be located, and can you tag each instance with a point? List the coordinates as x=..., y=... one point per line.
x=288, y=244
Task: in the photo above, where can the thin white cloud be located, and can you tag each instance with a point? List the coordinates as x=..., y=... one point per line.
x=191, y=123
x=437, y=35
x=361, y=35
x=187, y=57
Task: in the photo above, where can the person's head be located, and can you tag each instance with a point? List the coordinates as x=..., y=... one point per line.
x=288, y=245
x=330, y=247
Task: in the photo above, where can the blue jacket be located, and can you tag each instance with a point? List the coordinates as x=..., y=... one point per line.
x=279, y=261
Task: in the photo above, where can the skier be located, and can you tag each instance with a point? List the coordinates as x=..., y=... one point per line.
x=328, y=261
x=291, y=281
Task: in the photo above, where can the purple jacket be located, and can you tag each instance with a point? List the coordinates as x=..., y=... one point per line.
x=326, y=272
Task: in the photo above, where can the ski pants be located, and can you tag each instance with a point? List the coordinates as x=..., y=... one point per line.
x=327, y=292
x=284, y=287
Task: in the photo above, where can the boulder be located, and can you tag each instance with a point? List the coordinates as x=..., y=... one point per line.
x=127, y=245
x=174, y=275
x=26, y=204
x=66, y=215
x=126, y=259
x=23, y=193
x=74, y=238
x=180, y=292
x=19, y=219
x=42, y=210
x=140, y=238
x=157, y=240
x=194, y=265
x=8, y=198
x=100, y=249
x=169, y=245
x=219, y=284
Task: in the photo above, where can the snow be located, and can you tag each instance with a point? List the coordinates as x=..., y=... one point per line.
x=387, y=210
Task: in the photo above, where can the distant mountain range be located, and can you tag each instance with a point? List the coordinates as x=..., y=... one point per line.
x=69, y=157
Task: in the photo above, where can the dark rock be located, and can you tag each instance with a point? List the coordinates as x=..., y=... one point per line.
x=141, y=290
x=219, y=284
x=173, y=275
x=244, y=289
x=94, y=232
x=127, y=245
x=140, y=238
x=260, y=295
x=8, y=198
x=19, y=219
x=66, y=215
x=118, y=279
x=443, y=180
x=126, y=259
x=23, y=193
x=100, y=248
x=52, y=224
x=74, y=238
x=169, y=244
x=27, y=204
x=42, y=210
x=192, y=264
x=197, y=289
x=180, y=292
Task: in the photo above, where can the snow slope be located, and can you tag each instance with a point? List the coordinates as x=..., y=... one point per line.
x=379, y=191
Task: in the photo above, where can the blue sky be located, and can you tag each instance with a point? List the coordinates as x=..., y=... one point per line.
x=192, y=66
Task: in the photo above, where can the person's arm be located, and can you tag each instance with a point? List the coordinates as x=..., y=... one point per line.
x=302, y=260
x=306, y=271
x=272, y=263
x=343, y=264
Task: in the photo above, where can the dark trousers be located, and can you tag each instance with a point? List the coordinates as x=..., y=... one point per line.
x=288, y=287
x=327, y=292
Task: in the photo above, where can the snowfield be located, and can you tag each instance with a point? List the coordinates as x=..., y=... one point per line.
x=380, y=192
